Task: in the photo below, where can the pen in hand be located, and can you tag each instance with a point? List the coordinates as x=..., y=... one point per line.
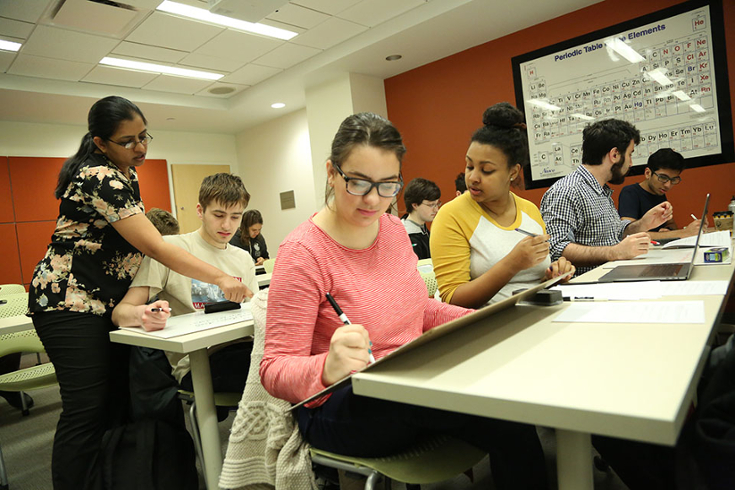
x=345, y=320
x=155, y=310
x=519, y=230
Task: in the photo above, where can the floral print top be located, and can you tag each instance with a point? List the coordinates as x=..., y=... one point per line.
x=89, y=266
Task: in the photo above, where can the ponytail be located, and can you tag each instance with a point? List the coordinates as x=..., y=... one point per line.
x=71, y=166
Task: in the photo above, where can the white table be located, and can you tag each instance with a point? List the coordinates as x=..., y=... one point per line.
x=195, y=345
x=263, y=280
x=634, y=381
x=15, y=324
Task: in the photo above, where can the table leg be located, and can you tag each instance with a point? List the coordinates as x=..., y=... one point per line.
x=206, y=416
x=574, y=460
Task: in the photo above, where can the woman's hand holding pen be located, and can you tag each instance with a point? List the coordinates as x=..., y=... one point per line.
x=530, y=251
x=349, y=351
x=153, y=316
x=233, y=289
x=559, y=267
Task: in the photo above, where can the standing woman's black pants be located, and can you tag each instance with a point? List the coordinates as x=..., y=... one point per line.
x=93, y=377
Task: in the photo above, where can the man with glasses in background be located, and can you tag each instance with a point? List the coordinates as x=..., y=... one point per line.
x=422, y=203
x=663, y=171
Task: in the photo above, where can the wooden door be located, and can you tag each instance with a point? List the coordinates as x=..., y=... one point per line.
x=187, y=179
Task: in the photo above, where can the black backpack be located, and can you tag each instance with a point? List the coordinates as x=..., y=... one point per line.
x=147, y=455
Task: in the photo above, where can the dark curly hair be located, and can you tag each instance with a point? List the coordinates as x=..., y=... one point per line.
x=505, y=130
x=602, y=136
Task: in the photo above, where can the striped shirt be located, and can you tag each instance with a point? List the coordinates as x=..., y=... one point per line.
x=577, y=209
x=378, y=287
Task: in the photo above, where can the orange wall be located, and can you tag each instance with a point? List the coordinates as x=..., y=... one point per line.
x=438, y=106
x=28, y=209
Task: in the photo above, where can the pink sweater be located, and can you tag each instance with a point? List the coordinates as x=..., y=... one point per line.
x=378, y=287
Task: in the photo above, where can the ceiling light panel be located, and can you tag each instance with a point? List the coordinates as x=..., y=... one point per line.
x=204, y=15
x=51, y=42
x=15, y=28
x=251, y=74
x=10, y=46
x=239, y=46
x=172, y=32
x=36, y=66
x=298, y=16
x=287, y=56
x=331, y=7
x=113, y=76
x=376, y=12
x=156, y=68
x=329, y=33
x=151, y=53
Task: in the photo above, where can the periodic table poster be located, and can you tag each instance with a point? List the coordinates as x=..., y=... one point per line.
x=665, y=73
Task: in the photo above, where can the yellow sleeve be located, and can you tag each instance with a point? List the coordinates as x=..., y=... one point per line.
x=450, y=236
x=531, y=210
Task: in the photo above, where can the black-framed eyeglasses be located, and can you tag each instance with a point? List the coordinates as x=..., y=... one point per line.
x=665, y=178
x=362, y=187
x=132, y=144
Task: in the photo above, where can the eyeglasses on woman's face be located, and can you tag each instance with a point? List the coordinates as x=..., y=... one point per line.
x=362, y=187
x=129, y=145
x=664, y=179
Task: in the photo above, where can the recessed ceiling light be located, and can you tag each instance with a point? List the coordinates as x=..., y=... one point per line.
x=154, y=68
x=393, y=57
x=278, y=105
x=9, y=46
x=204, y=15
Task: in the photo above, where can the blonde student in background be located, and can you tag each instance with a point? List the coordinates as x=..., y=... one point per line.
x=222, y=201
x=478, y=245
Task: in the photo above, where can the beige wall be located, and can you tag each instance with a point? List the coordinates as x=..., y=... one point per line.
x=275, y=157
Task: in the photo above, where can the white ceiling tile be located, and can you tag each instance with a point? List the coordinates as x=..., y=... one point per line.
x=281, y=25
x=298, y=16
x=250, y=74
x=167, y=31
x=151, y=53
x=67, y=45
x=15, y=28
x=118, y=76
x=376, y=12
x=27, y=10
x=36, y=66
x=210, y=63
x=329, y=33
x=207, y=92
x=287, y=55
x=330, y=7
x=6, y=58
x=235, y=45
x=179, y=85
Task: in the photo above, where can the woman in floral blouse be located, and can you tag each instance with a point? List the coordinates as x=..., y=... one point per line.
x=100, y=238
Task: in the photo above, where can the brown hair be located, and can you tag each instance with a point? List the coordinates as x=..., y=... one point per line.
x=226, y=189
x=164, y=221
x=249, y=219
x=366, y=129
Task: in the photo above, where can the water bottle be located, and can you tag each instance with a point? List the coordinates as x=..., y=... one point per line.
x=731, y=206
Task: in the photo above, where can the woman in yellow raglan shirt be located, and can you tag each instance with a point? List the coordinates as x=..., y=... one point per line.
x=478, y=255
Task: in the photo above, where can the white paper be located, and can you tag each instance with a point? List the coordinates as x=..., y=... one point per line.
x=694, y=288
x=634, y=312
x=613, y=291
x=715, y=239
x=196, y=322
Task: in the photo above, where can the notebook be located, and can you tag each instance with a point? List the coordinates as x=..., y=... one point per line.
x=658, y=272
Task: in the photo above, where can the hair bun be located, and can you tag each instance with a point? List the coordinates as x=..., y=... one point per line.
x=503, y=115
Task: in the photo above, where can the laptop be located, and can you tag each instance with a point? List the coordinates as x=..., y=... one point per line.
x=658, y=272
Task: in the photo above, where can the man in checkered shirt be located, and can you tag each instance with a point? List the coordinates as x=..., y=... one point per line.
x=578, y=211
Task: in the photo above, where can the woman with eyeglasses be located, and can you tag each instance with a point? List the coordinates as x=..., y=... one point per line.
x=100, y=238
x=421, y=197
x=362, y=257
x=477, y=252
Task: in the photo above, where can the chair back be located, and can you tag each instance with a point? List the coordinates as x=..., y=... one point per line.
x=268, y=265
x=24, y=341
x=430, y=281
x=13, y=305
x=6, y=289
